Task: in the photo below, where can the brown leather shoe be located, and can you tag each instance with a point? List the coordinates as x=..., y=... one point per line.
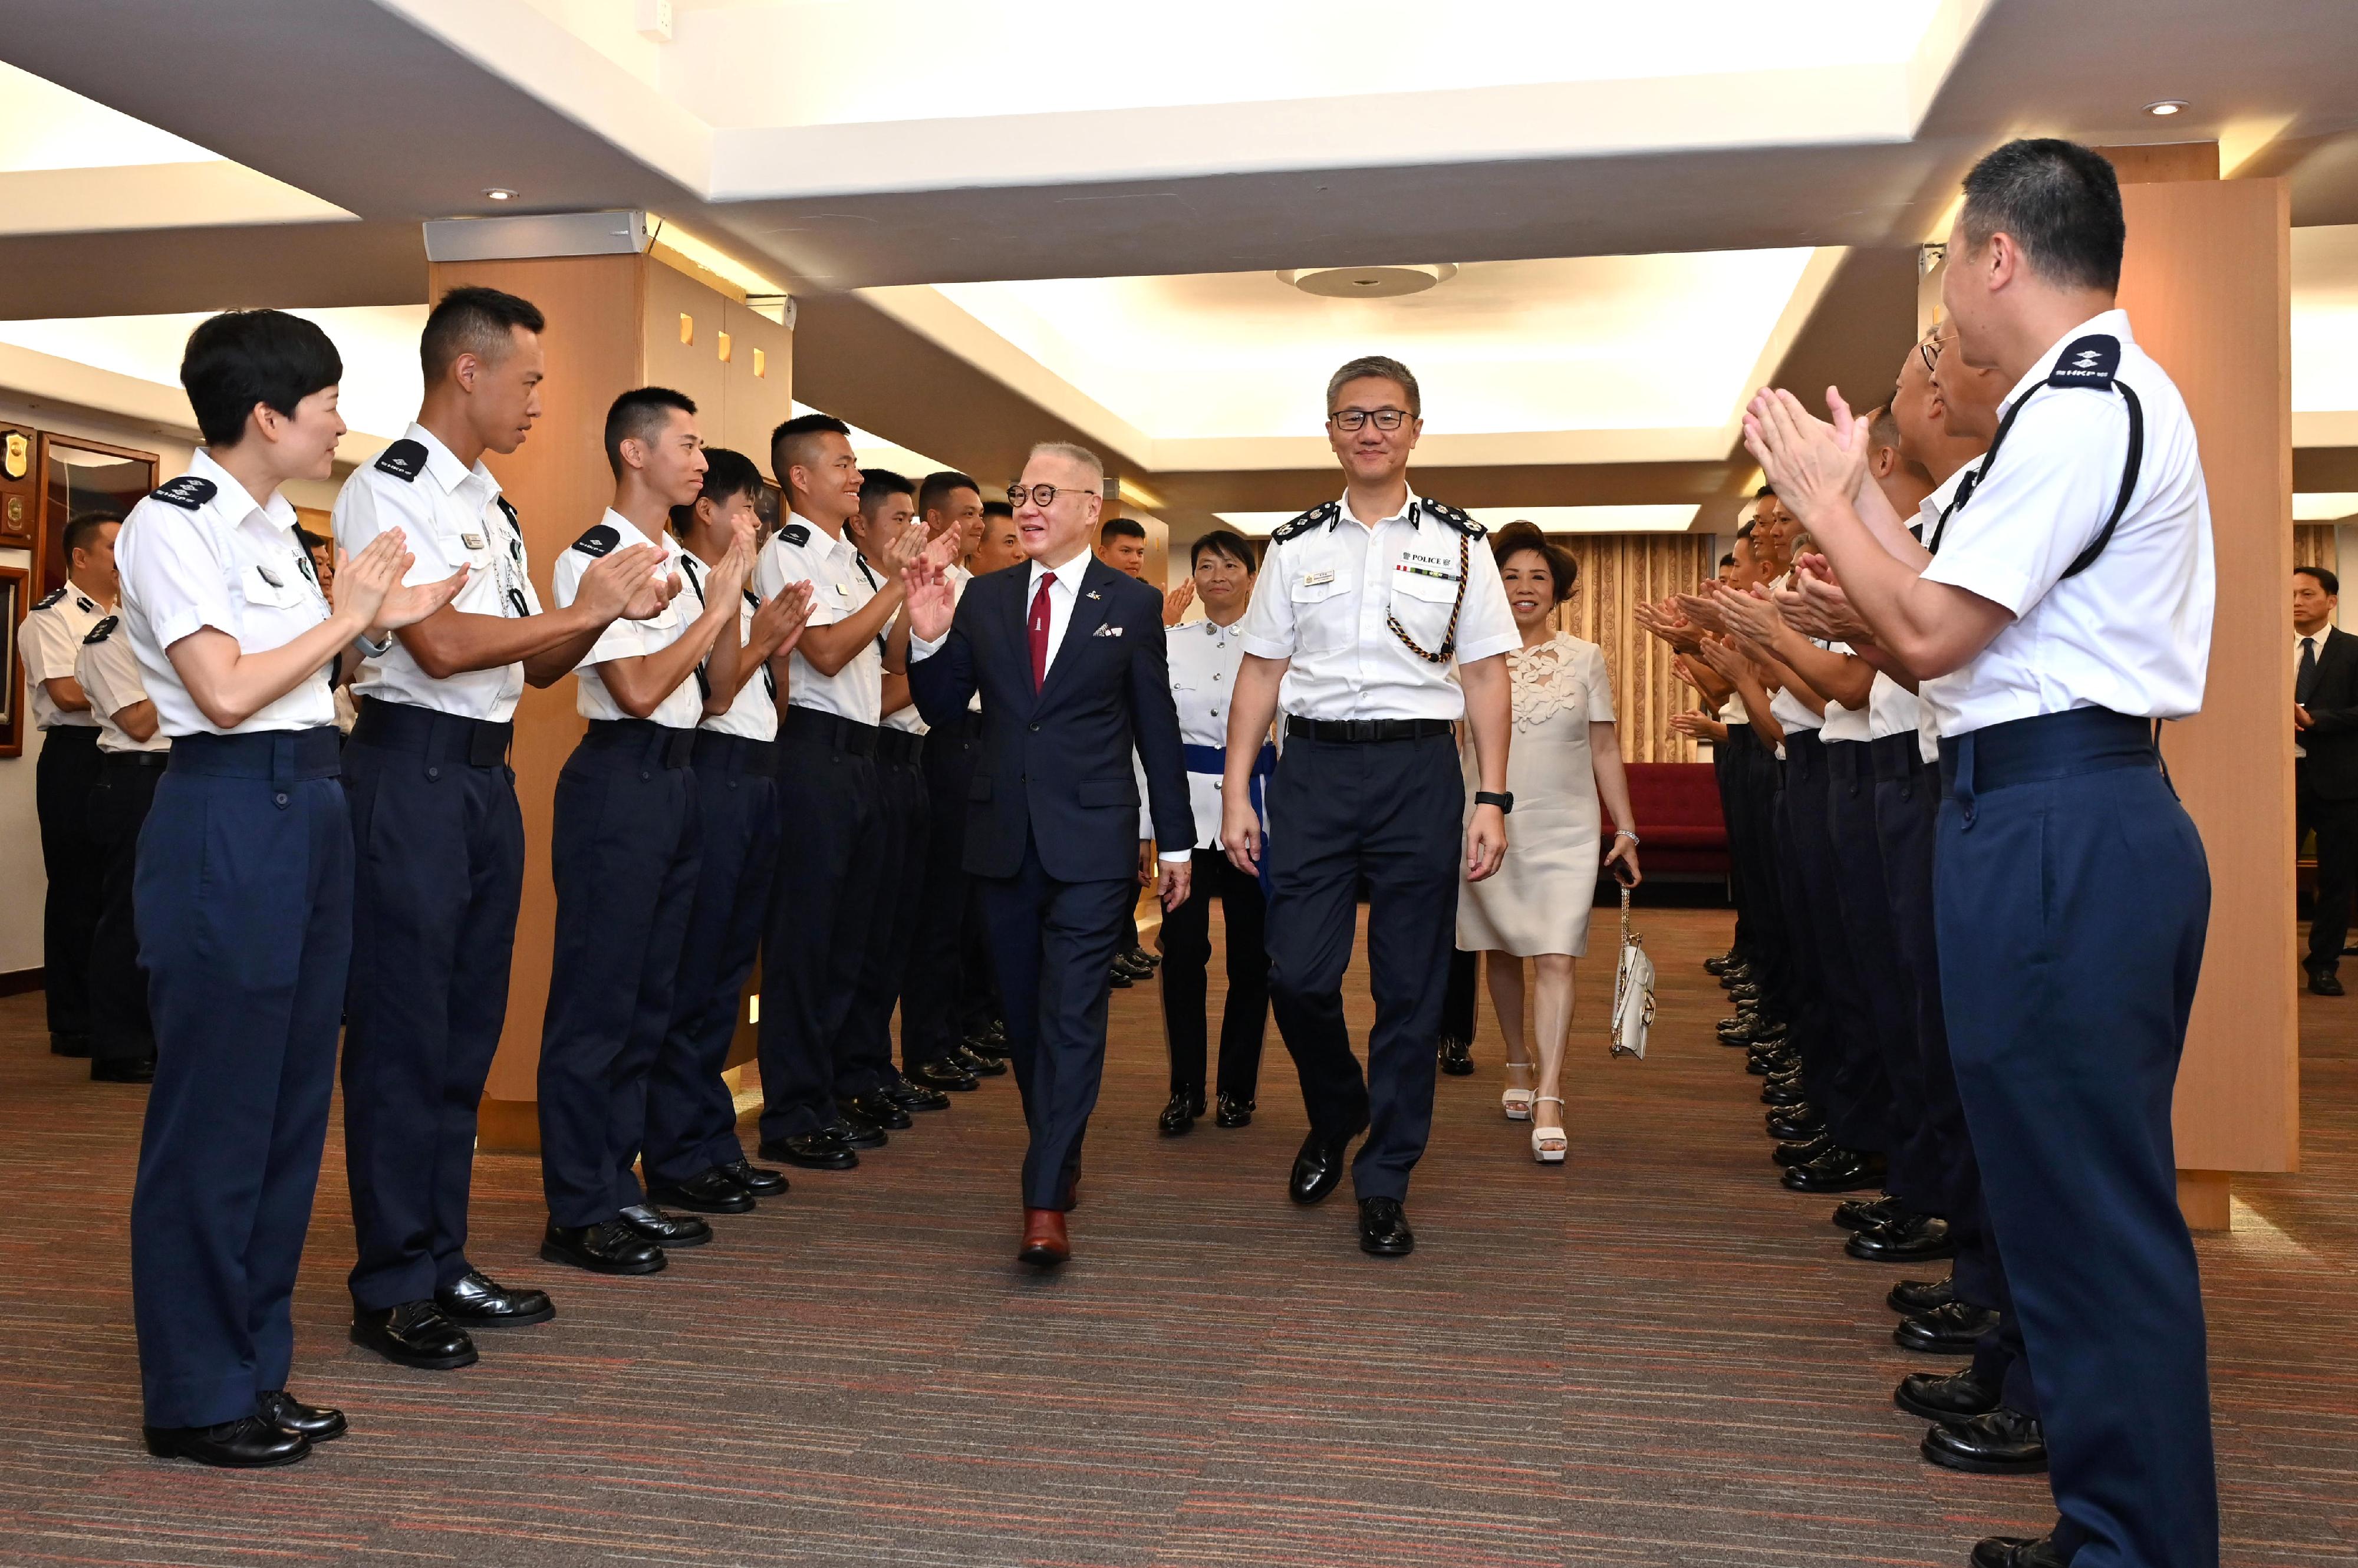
x=1045, y=1243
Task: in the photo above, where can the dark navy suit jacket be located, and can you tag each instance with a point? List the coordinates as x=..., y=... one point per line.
x=1056, y=767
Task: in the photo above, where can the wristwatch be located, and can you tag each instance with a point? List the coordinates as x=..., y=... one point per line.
x=1505, y=801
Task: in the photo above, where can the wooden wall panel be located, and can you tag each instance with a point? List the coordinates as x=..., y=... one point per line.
x=1619, y=572
x=755, y=404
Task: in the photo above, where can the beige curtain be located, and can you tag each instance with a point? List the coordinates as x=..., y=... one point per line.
x=1618, y=572
x=2313, y=545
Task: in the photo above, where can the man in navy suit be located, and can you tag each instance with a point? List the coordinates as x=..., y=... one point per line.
x=1068, y=655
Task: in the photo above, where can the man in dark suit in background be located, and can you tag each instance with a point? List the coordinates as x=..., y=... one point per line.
x=1069, y=657
x=2325, y=766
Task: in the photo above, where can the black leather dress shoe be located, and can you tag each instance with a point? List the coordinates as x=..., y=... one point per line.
x=414, y=1334
x=1722, y=964
x=880, y=1108
x=1917, y=1238
x=2001, y=1443
x=1232, y=1111
x=248, y=1443
x=948, y=1075
x=1948, y=1398
x=1119, y=978
x=1843, y=1171
x=811, y=1151
x=2017, y=1552
x=1318, y=1168
x=1139, y=962
x=1911, y=1296
x=855, y=1131
x=1457, y=1057
x=707, y=1192
x=78, y=1046
x=754, y=1179
x=610, y=1247
x=1784, y=1096
x=666, y=1229
x=915, y=1097
x=1945, y=1330
x=1803, y=1153
x=1771, y=1061
x=136, y=1070
x=1792, y=1123
x=976, y=1063
x=1180, y=1114
x=288, y=1413
x=1749, y=1029
x=1744, y=993
x=1383, y=1228
x=475, y=1300
x=2324, y=982
x=1867, y=1213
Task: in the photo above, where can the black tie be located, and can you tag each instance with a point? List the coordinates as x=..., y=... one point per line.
x=2305, y=683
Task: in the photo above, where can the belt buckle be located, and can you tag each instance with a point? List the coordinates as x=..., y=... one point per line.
x=1361, y=730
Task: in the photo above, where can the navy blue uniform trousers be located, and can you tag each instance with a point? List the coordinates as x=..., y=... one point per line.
x=691, y=1115
x=625, y=850
x=933, y=1012
x=1186, y=962
x=120, y=1028
x=244, y=896
x=1838, y=1068
x=62, y=780
x=1752, y=846
x=2072, y=899
x=1390, y=813
x=899, y=883
x=439, y=874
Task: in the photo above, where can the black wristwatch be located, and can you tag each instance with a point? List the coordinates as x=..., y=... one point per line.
x=1505, y=802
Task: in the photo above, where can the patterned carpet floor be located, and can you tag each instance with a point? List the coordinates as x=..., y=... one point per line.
x=1655, y=1356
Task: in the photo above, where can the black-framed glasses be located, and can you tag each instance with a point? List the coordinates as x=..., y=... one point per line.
x=1351, y=420
x=1929, y=349
x=1042, y=496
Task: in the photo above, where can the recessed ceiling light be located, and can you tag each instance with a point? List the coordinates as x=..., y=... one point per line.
x=498, y=193
x=1368, y=282
x=2166, y=107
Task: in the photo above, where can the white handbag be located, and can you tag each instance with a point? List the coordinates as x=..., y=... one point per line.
x=1633, y=992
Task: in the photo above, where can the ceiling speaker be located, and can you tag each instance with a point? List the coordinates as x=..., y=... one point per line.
x=1368, y=282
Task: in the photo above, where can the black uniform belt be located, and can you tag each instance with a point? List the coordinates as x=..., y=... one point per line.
x=2049, y=746
x=283, y=755
x=829, y=730
x=71, y=734
x=657, y=744
x=900, y=746
x=135, y=759
x=1848, y=760
x=1362, y=730
x=437, y=737
x=1897, y=756
x=735, y=753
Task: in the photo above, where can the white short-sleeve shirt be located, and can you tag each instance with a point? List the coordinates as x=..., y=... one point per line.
x=682, y=707
x=2132, y=632
x=452, y=517
x=1205, y=658
x=199, y=553
x=52, y=639
x=109, y=671
x=802, y=551
x=906, y=717
x=753, y=715
x=1331, y=587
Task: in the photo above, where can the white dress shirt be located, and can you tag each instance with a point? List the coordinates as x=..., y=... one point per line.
x=451, y=515
x=109, y=671
x=1324, y=597
x=802, y=551
x=753, y=715
x=683, y=706
x=2317, y=650
x=197, y=553
x=51, y=640
x=1205, y=658
x=2131, y=634
x=904, y=718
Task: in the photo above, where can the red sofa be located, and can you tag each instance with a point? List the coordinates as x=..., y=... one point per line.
x=1678, y=816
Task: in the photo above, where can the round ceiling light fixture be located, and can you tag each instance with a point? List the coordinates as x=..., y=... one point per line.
x=498, y=193
x=2164, y=108
x=1368, y=282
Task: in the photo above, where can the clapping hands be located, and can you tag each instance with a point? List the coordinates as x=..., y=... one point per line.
x=1813, y=463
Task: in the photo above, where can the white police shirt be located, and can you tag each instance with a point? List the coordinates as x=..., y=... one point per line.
x=109, y=671
x=452, y=517
x=198, y=552
x=2132, y=632
x=802, y=551
x=52, y=639
x=682, y=707
x=753, y=715
x=906, y=717
x=1205, y=658
x=1330, y=584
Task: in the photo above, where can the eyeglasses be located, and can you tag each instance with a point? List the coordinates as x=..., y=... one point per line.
x=1350, y=419
x=1042, y=496
x=1929, y=352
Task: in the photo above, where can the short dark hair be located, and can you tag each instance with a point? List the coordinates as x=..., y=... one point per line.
x=2325, y=580
x=726, y=473
x=1120, y=528
x=1764, y=492
x=1227, y=542
x=997, y=509
x=788, y=442
x=308, y=539
x=935, y=490
x=875, y=484
x=1728, y=559
x=81, y=526
x=1377, y=367
x=240, y=360
x=1743, y=529
x=475, y=321
x=639, y=414
x=1520, y=536
x=2059, y=200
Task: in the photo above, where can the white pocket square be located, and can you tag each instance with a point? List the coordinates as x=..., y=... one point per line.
x=1107, y=631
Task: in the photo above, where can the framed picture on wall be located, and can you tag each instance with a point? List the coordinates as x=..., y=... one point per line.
x=77, y=476
x=13, y=602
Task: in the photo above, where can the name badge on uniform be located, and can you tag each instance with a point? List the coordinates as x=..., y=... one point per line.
x=841, y=591
x=1316, y=580
x=269, y=577
x=472, y=541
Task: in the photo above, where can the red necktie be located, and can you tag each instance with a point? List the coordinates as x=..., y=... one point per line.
x=1039, y=632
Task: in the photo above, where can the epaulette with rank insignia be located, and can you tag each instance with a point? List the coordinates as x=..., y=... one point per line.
x=1317, y=517
x=794, y=534
x=2093, y=360
x=187, y=493
x=404, y=460
x=103, y=631
x=53, y=596
x=599, y=540
x=1451, y=515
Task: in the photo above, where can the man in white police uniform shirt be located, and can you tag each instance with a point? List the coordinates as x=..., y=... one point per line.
x=2068, y=608
x=52, y=635
x=1360, y=609
x=132, y=752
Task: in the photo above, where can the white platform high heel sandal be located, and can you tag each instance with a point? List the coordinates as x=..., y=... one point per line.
x=1517, y=1103
x=1548, y=1144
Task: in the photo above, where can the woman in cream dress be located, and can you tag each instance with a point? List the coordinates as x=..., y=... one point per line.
x=1565, y=755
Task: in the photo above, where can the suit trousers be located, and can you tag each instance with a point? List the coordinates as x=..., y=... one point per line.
x=691, y=1114
x=1390, y=813
x=1054, y=951
x=2336, y=825
x=62, y=781
x=2067, y=1004
x=1187, y=960
x=244, y=896
x=120, y=1027
x=438, y=846
x=626, y=851
x=932, y=1024
x=1841, y=1070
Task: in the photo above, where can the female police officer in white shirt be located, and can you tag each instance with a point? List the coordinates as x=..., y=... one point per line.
x=243, y=889
x=2068, y=608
